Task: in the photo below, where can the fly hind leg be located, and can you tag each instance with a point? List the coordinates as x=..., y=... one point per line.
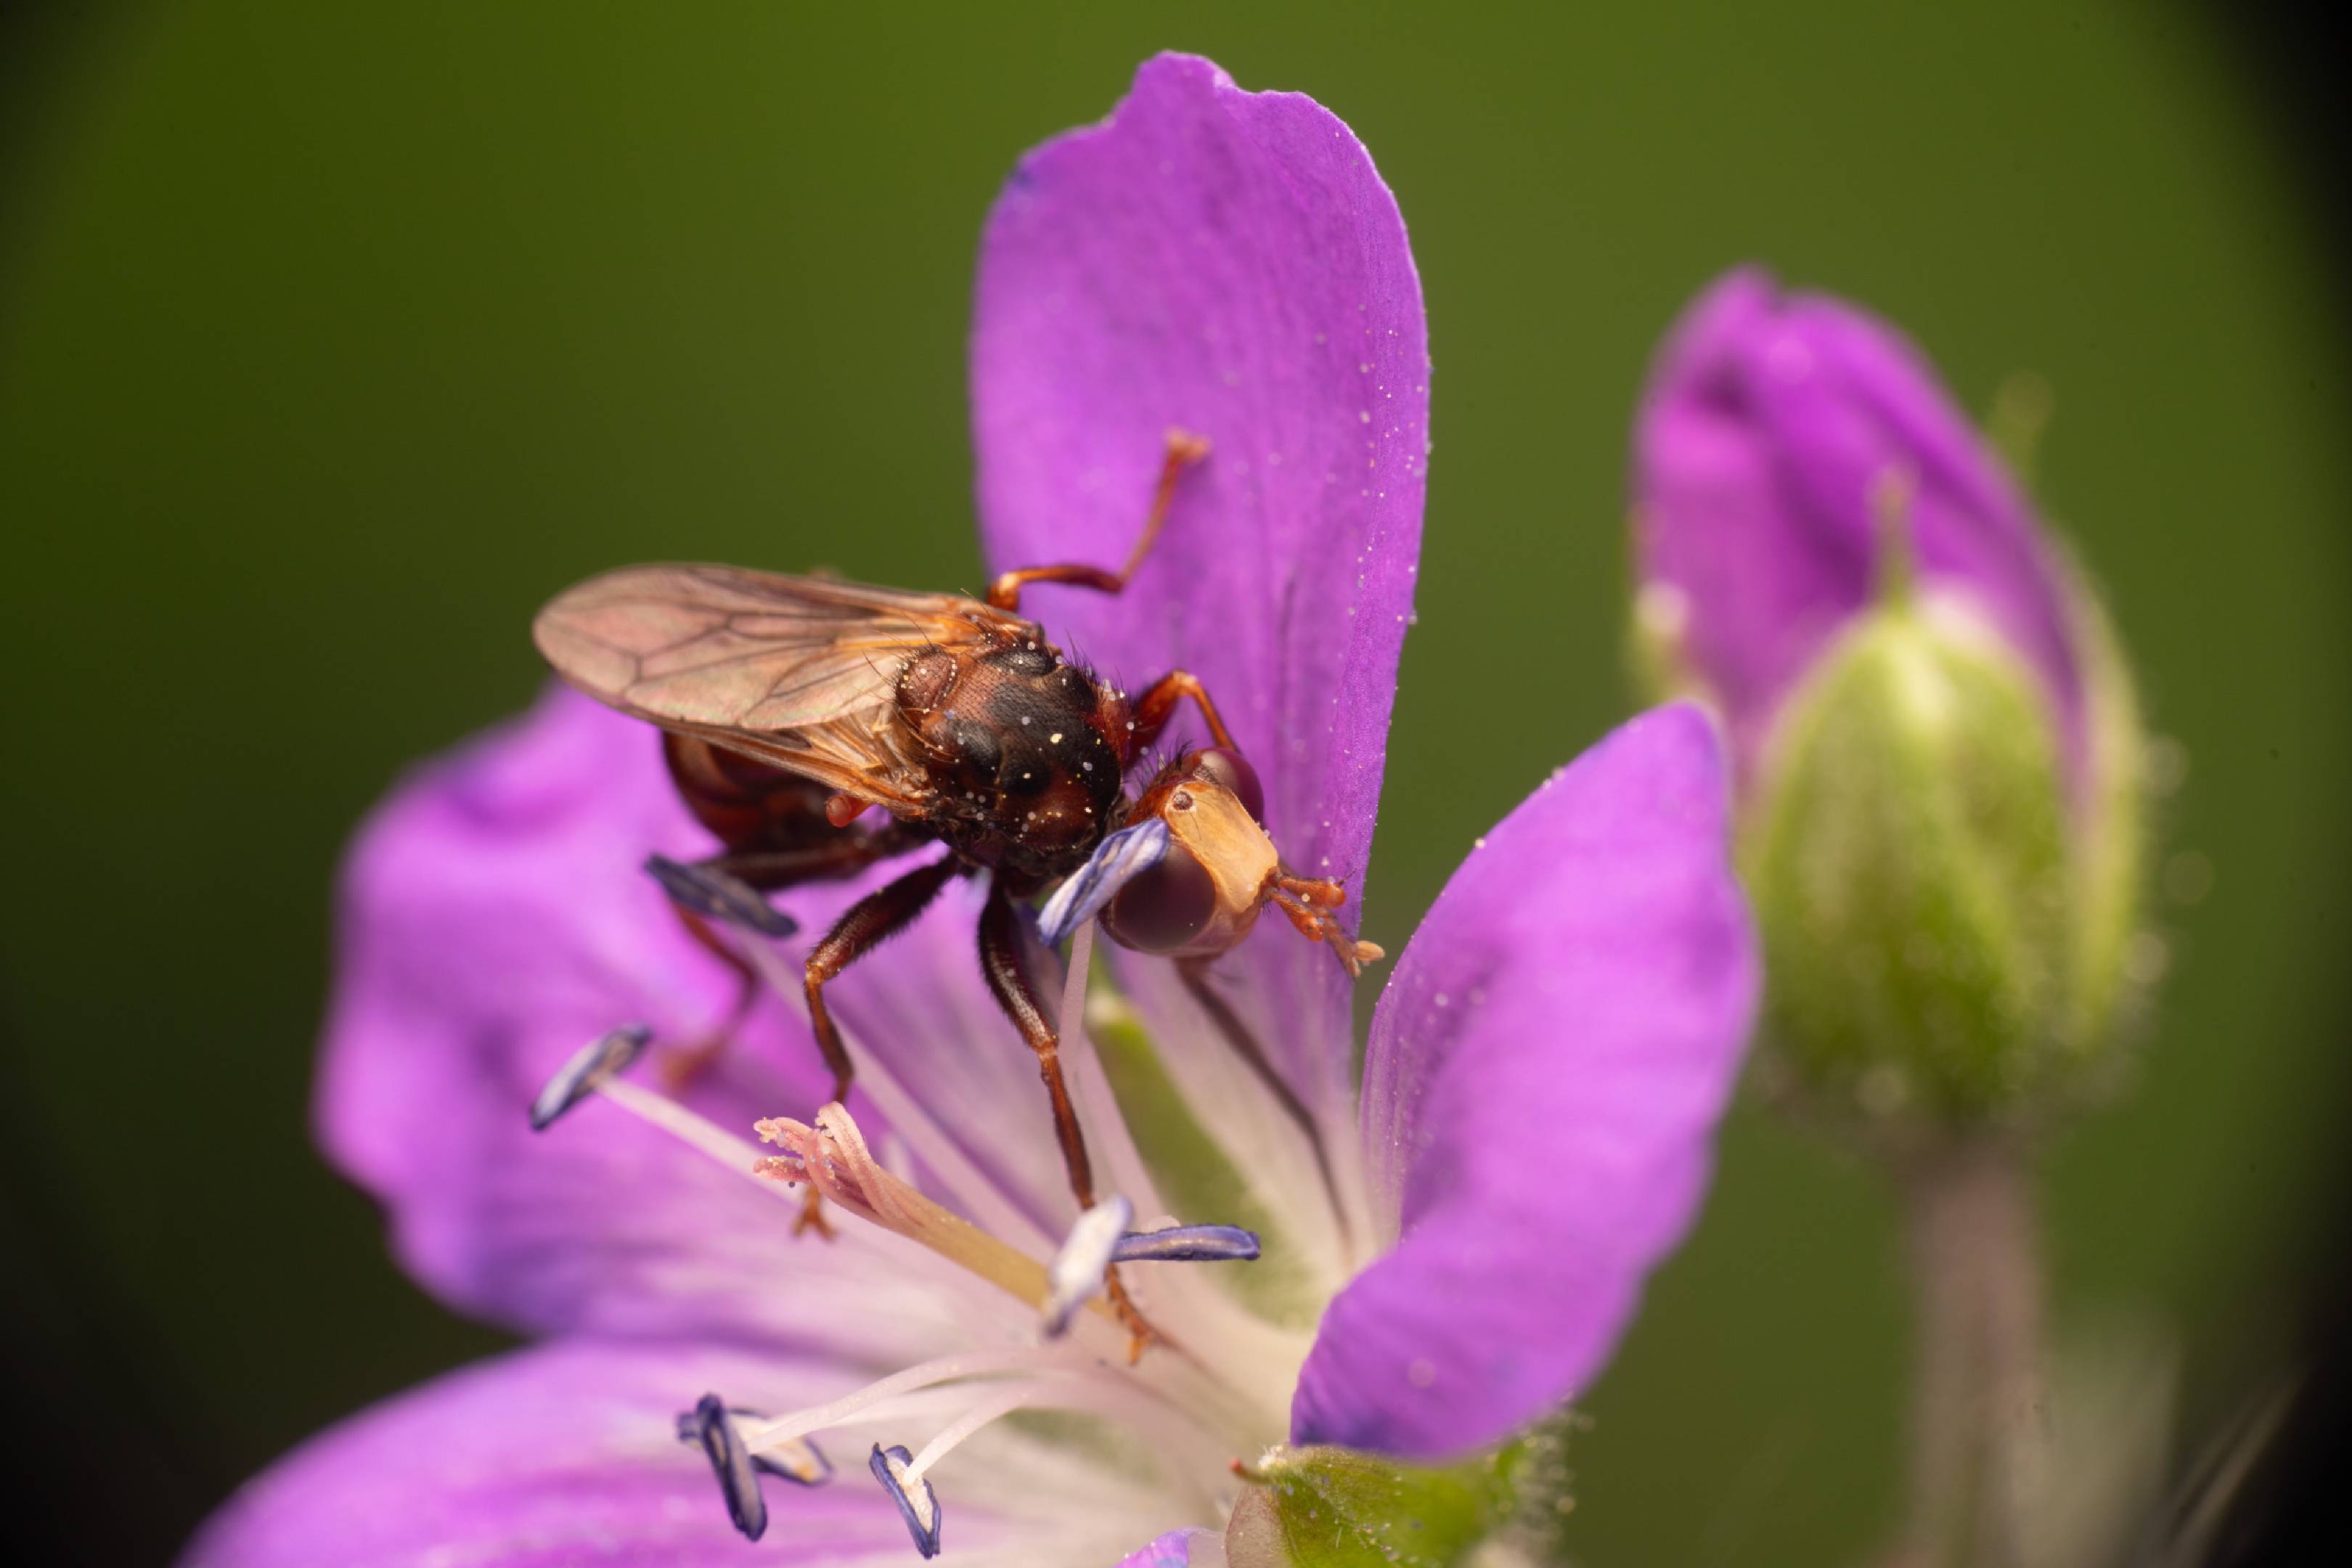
x=679, y=1065
x=726, y=890
x=1185, y=449
x=999, y=959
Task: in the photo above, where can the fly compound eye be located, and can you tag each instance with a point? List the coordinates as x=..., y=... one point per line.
x=1224, y=766
x=1163, y=909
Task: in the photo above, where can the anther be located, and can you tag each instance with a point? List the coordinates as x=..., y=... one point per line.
x=708, y=890
x=1076, y=1273
x=794, y=1459
x=738, y=1479
x=919, y=1508
x=589, y=1066
x=1187, y=1243
x=1117, y=861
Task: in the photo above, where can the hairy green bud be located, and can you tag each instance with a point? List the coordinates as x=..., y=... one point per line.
x=1940, y=941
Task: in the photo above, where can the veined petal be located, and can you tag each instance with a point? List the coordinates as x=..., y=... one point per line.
x=495, y=922
x=1767, y=429
x=1231, y=264
x=1545, y=1074
x=568, y=1454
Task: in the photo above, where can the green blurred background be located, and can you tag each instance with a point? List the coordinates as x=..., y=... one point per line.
x=332, y=338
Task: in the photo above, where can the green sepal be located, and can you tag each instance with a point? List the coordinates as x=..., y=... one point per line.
x=1337, y=1507
x=1908, y=858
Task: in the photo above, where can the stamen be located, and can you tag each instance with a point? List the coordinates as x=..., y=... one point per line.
x=1116, y=1400
x=1187, y=1243
x=698, y=1131
x=794, y=1459
x=920, y=1509
x=1117, y=861
x=1076, y=1275
x=1122, y=1161
x=738, y=1483
x=722, y=896
x=587, y=1071
x=1188, y=1310
x=965, y=1425
x=1049, y=1376
x=940, y=1369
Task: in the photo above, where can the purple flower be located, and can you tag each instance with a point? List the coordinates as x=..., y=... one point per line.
x=1939, y=744
x=1767, y=429
x=1544, y=1074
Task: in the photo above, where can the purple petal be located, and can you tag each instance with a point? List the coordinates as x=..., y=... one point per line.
x=1228, y=263
x=556, y=1456
x=494, y=921
x=1541, y=1091
x=1173, y=1549
x=1766, y=429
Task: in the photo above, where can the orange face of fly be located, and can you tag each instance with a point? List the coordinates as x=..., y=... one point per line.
x=1220, y=870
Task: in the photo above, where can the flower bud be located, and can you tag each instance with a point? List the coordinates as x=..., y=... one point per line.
x=1906, y=856
x=1939, y=744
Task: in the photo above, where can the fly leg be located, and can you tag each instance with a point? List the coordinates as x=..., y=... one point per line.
x=726, y=890
x=1157, y=705
x=1185, y=449
x=873, y=919
x=999, y=959
x=1309, y=901
x=679, y=1065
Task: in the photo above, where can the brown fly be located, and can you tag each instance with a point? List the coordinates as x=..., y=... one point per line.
x=792, y=705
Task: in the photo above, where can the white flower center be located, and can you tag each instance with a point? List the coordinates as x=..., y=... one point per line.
x=1212, y=1388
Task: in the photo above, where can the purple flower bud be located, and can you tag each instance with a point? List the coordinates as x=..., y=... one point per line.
x=1771, y=429
x=1938, y=745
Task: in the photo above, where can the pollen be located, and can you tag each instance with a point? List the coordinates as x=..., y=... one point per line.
x=1077, y=1274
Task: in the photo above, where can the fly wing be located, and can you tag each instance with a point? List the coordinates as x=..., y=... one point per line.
x=800, y=672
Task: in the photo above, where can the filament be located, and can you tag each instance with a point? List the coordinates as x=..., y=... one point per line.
x=922, y=1374
x=965, y=1425
x=687, y=1126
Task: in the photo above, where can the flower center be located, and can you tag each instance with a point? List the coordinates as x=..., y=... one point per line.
x=1212, y=1387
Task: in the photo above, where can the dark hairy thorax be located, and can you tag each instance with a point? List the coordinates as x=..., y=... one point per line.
x=1024, y=750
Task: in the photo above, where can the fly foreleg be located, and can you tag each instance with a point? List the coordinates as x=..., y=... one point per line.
x=1185, y=449
x=1008, y=978
x=1157, y=705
